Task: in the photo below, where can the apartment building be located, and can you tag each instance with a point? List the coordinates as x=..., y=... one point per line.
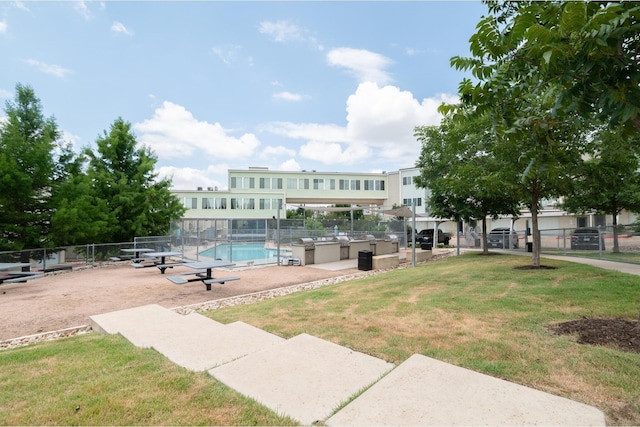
x=257, y=192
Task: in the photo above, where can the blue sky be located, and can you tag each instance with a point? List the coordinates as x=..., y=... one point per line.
x=210, y=86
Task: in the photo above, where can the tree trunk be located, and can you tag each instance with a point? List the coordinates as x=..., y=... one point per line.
x=616, y=248
x=535, y=255
x=485, y=248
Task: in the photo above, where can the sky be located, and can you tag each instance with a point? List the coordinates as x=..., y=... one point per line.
x=210, y=86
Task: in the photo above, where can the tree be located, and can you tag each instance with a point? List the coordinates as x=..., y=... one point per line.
x=460, y=163
x=81, y=216
x=609, y=180
x=526, y=97
x=586, y=52
x=122, y=176
x=27, y=172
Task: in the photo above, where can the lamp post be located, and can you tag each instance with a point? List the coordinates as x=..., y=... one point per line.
x=413, y=232
x=278, y=231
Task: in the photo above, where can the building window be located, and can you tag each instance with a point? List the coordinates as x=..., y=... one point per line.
x=234, y=182
x=407, y=180
x=235, y=203
x=407, y=202
x=303, y=184
x=249, y=203
x=379, y=185
x=344, y=184
x=355, y=184
x=191, y=202
x=368, y=185
x=221, y=203
x=332, y=184
x=292, y=184
x=265, y=183
x=277, y=183
x=248, y=182
x=207, y=203
x=318, y=184
x=265, y=204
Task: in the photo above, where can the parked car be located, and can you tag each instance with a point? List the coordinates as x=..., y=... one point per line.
x=586, y=238
x=503, y=237
x=426, y=236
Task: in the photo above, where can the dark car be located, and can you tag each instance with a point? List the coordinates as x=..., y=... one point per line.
x=587, y=238
x=502, y=237
x=426, y=236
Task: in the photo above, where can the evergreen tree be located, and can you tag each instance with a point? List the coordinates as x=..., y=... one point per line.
x=122, y=177
x=27, y=172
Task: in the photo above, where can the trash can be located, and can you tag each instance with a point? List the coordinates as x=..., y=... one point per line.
x=529, y=246
x=365, y=260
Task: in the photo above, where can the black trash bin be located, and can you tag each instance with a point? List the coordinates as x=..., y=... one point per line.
x=365, y=260
x=529, y=246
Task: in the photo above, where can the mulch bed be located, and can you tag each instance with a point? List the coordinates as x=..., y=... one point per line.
x=615, y=333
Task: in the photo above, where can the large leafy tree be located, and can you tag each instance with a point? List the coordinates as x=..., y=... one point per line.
x=529, y=102
x=468, y=174
x=28, y=172
x=121, y=175
x=582, y=55
x=609, y=179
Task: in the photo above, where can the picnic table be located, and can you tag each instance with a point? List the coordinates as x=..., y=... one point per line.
x=203, y=271
x=157, y=259
x=17, y=272
x=136, y=253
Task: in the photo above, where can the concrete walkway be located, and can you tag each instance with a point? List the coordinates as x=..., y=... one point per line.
x=308, y=378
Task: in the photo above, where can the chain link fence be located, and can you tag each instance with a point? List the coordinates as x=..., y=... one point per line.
x=263, y=241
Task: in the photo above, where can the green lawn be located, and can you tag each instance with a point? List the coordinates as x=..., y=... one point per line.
x=473, y=311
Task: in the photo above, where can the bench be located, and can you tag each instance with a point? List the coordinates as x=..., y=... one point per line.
x=57, y=268
x=221, y=280
x=22, y=278
x=178, y=280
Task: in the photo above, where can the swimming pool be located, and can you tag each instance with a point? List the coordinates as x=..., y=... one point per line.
x=255, y=252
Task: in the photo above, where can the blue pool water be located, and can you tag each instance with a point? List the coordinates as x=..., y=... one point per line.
x=242, y=252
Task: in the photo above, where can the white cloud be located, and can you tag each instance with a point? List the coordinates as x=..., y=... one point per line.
x=287, y=96
x=118, y=27
x=334, y=153
x=73, y=139
x=380, y=126
x=227, y=53
x=3, y=27
x=188, y=178
x=289, y=165
x=278, y=151
x=52, y=69
x=174, y=132
x=285, y=31
x=281, y=31
x=82, y=8
x=311, y=131
x=20, y=5
x=5, y=94
x=366, y=66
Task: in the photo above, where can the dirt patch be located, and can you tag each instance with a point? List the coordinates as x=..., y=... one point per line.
x=67, y=299
x=615, y=333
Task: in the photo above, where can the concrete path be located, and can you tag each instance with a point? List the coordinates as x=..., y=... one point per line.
x=308, y=378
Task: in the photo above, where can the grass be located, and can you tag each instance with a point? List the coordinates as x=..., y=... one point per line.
x=472, y=311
